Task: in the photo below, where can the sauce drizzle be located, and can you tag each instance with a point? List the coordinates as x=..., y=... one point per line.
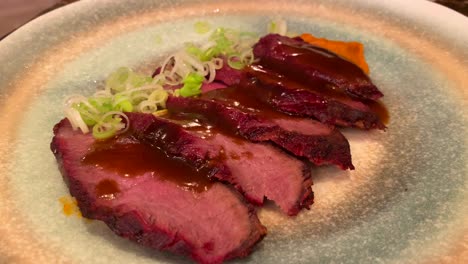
x=131, y=158
x=107, y=189
x=265, y=75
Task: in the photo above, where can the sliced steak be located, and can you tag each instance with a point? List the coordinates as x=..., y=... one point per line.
x=116, y=182
x=295, y=99
x=257, y=170
x=314, y=66
x=235, y=113
x=227, y=75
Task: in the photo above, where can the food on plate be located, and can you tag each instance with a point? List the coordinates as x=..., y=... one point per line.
x=286, y=86
x=237, y=112
x=139, y=198
x=297, y=99
x=314, y=66
x=177, y=160
x=351, y=51
x=278, y=176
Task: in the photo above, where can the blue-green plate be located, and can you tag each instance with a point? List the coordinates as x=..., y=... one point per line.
x=406, y=202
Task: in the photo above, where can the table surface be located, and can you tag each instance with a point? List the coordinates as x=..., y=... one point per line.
x=14, y=13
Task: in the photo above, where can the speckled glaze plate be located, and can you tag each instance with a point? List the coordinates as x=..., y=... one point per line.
x=406, y=202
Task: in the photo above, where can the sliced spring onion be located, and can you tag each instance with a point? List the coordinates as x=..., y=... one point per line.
x=192, y=85
x=226, y=43
x=189, y=68
x=109, y=125
x=123, y=78
x=278, y=26
x=202, y=27
x=125, y=91
x=235, y=62
x=117, y=80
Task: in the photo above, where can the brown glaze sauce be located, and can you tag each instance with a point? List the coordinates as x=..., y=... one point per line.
x=334, y=68
x=193, y=123
x=130, y=158
x=268, y=76
x=242, y=97
x=107, y=189
x=204, y=128
x=207, y=130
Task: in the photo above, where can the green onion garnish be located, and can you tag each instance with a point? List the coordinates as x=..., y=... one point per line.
x=192, y=85
x=127, y=91
x=202, y=27
x=225, y=43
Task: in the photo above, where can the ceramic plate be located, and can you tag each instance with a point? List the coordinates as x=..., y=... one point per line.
x=405, y=202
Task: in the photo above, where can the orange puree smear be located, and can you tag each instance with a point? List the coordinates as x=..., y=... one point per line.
x=70, y=206
x=351, y=51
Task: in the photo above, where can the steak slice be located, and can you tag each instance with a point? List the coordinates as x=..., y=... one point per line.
x=314, y=66
x=256, y=170
x=304, y=138
x=293, y=98
x=210, y=225
x=227, y=75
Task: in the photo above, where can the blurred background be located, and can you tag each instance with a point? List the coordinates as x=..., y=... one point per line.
x=14, y=13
